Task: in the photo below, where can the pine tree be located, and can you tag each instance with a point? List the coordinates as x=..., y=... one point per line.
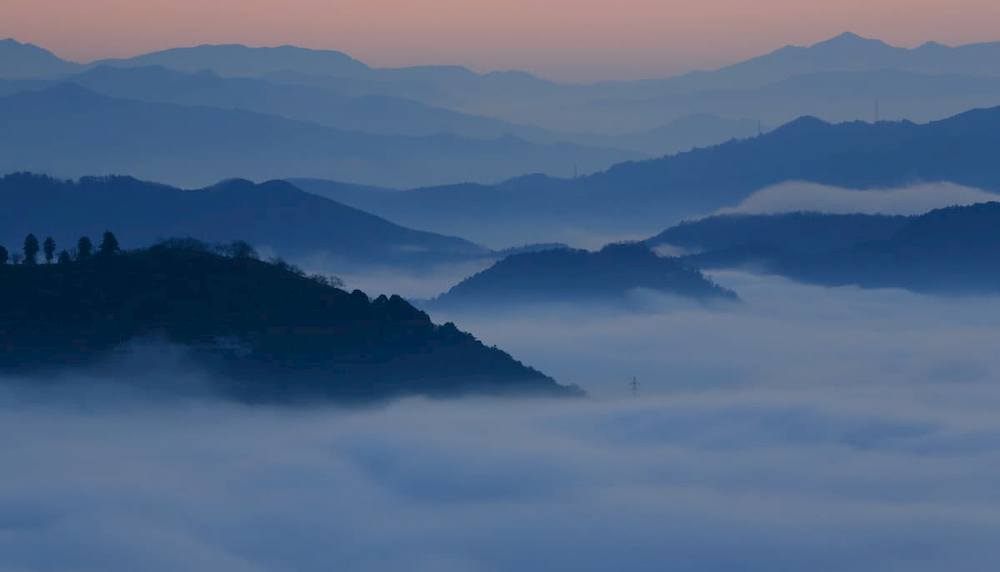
x=49, y=247
x=84, y=248
x=30, y=250
x=109, y=245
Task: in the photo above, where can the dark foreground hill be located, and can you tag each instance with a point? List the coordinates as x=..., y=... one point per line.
x=954, y=250
x=273, y=214
x=571, y=276
x=264, y=331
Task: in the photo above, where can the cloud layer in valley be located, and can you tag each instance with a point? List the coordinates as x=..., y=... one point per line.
x=803, y=196
x=806, y=429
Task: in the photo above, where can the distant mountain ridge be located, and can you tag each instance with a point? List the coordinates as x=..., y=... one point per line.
x=645, y=196
x=273, y=214
x=838, y=79
x=21, y=61
x=69, y=131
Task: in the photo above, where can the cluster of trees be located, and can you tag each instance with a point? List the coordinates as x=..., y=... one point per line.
x=84, y=250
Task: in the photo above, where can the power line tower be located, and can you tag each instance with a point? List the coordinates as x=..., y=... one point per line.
x=634, y=386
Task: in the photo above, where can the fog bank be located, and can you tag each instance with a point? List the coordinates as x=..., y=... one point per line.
x=913, y=200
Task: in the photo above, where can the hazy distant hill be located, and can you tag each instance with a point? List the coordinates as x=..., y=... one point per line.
x=796, y=232
x=850, y=52
x=383, y=114
x=643, y=197
x=70, y=131
x=567, y=276
x=263, y=332
x=235, y=60
x=847, y=52
x=370, y=113
x=951, y=250
x=19, y=60
x=831, y=95
x=273, y=214
x=838, y=79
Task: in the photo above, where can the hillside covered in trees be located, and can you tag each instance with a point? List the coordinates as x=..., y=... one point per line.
x=274, y=214
x=565, y=275
x=266, y=332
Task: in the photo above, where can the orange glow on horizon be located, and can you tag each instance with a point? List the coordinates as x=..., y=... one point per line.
x=575, y=40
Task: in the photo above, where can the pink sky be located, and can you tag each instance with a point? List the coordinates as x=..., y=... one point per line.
x=560, y=39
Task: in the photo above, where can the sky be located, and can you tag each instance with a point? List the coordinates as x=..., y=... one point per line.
x=568, y=40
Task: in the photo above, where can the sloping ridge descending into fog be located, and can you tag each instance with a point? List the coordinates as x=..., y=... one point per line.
x=954, y=250
x=265, y=332
x=645, y=196
x=568, y=276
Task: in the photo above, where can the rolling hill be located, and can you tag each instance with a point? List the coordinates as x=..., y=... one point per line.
x=568, y=276
x=259, y=332
x=273, y=214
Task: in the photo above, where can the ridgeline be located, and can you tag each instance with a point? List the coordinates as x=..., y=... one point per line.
x=265, y=331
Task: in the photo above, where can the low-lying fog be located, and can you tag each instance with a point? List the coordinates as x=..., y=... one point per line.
x=912, y=200
x=805, y=429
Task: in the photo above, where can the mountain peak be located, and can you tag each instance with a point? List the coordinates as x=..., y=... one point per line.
x=848, y=40
x=22, y=60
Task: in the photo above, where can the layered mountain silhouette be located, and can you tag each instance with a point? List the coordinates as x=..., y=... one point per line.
x=838, y=79
x=379, y=114
x=70, y=131
x=273, y=214
x=954, y=250
x=644, y=196
x=18, y=61
x=831, y=95
x=568, y=276
x=372, y=113
x=263, y=332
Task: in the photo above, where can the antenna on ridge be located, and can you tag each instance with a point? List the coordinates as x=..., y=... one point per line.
x=876, y=111
x=634, y=386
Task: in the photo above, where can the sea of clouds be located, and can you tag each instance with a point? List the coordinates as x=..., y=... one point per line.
x=803, y=429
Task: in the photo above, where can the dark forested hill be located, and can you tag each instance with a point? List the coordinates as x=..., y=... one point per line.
x=571, y=276
x=274, y=214
x=797, y=231
x=950, y=250
x=265, y=332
